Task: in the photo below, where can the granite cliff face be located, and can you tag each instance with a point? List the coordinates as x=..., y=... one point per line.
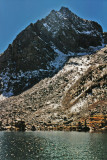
x=42, y=48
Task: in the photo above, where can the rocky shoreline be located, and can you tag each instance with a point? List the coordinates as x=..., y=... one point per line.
x=69, y=129
x=92, y=124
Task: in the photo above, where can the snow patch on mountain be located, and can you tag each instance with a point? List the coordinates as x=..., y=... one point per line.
x=7, y=83
x=59, y=60
x=2, y=97
x=47, y=26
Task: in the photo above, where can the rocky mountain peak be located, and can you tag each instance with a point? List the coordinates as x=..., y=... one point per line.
x=42, y=49
x=65, y=11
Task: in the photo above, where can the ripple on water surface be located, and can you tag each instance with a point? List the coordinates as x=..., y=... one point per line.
x=53, y=146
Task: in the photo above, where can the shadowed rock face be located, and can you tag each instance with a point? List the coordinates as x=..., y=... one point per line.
x=69, y=32
x=42, y=49
x=105, y=37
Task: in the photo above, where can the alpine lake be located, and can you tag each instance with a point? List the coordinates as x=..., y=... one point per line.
x=53, y=145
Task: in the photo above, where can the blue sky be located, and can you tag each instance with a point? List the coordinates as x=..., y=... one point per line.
x=15, y=15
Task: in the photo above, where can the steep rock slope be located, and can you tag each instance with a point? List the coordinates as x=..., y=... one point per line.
x=42, y=48
x=77, y=91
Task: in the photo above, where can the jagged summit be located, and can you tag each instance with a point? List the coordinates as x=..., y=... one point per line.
x=66, y=12
x=42, y=48
x=64, y=9
x=63, y=24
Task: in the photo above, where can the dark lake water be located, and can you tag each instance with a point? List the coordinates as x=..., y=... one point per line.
x=53, y=146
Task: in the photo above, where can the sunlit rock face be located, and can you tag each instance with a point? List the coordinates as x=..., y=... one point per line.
x=42, y=48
